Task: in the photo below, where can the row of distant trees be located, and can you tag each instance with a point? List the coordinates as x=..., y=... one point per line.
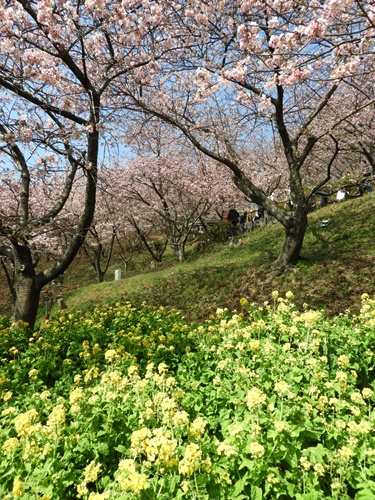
x=151, y=202
x=275, y=95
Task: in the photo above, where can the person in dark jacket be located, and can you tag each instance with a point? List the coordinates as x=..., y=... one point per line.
x=233, y=217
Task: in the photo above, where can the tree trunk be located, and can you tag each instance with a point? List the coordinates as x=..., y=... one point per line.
x=294, y=235
x=9, y=276
x=181, y=253
x=99, y=275
x=27, y=299
x=98, y=252
x=178, y=248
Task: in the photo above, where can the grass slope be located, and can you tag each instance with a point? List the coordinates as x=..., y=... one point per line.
x=336, y=267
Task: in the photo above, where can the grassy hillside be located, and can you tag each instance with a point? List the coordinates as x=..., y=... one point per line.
x=337, y=266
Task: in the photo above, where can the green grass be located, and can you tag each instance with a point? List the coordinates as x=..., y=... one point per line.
x=336, y=267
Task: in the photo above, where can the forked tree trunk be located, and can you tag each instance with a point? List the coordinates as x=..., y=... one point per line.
x=294, y=236
x=181, y=253
x=99, y=276
x=27, y=290
x=178, y=247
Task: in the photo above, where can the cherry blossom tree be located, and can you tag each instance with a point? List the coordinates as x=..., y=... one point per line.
x=34, y=189
x=261, y=69
x=168, y=194
x=357, y=132
x=59, y=62
x=355, y=163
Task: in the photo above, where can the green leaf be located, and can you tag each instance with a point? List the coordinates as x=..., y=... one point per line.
x=121, y=448
x=256, y=493
x=365, y=494
x=249, y=464
x=173, y=482
x=239, y=486
x=312, y=495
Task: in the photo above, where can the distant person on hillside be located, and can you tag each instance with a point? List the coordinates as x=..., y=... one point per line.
x=251, y=218
x=365, y=187
x=261, y=211
x=233, y=217
x=324, y=201
x=243, y=222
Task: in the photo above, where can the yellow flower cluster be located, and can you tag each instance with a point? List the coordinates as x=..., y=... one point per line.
x=162, y=368
x=197, y=427
x=282, y=387
x=10, y=445
x=167, y=439
x=57, y=417
x=86, y=353
x=98, y=496
x=111, y=355
x=367, y=312
x=92, y=470
x=255, y=397
x=310, y=318
x=319, y=469
x=341, y=377
x=45, y=395
x=254, y=345
x=235, y=429
x=191, y=460
x=128, y=477
x=305, y=464
x=256, y=449
x=367, y=393
x=17, y=487
x=345, y=453
x=343, y=360
x=168, y=407
x=226, y=449
x=361, y=428
x=3, y=380
x=91, y=374
x=13, y=351
x=33, y=373
x=357, y=398
x=158, y=446
x=75, y=398
x=181, y=419
x=293, y=330
x=280, y=425
x=24, y=423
